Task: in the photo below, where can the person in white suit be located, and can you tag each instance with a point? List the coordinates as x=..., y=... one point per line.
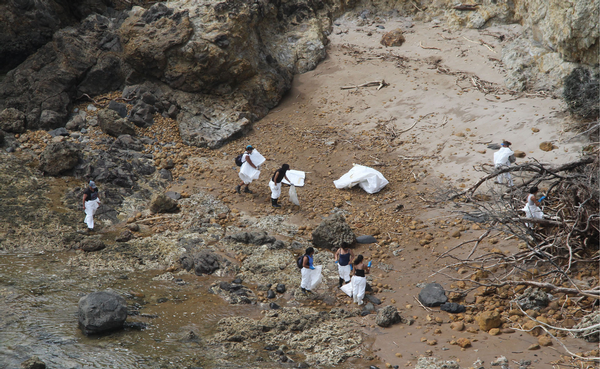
x=91, y=202
x=502, y=159
x=248, y=171
x=532, y=206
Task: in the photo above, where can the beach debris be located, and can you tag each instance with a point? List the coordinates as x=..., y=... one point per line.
x=369, y=179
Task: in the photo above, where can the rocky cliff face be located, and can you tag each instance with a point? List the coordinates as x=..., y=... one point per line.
x=223, y=65
x=26, y=25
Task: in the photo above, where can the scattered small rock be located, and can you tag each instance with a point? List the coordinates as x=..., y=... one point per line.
x=433, y=295
x=547, y=146
x=393, y=38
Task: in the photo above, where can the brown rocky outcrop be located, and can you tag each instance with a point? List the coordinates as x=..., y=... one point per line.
x=112, y=124
x=223, y=65
x=26, y=25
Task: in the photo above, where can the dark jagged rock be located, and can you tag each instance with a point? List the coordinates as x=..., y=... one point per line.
x=280, y=288
x=372, y=299
x=203, y=262
x=174, y=195
x=58, y=157
x=332, y=232
x=101, y=312
x=387, y=316
x=453, y=308
x=432, y=295
x=271, y=294
x=111, y=124
x=118, y=107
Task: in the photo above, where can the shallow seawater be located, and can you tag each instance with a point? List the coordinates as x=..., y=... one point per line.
x=38, y=315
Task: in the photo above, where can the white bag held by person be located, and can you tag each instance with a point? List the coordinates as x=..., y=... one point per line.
x=296, y=178
x=367, y=178
x=316, y=277
x=294, y=195
x=347, y=289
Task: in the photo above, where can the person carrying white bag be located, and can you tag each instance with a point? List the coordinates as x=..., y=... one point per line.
x=311, y=275
x=250, y=168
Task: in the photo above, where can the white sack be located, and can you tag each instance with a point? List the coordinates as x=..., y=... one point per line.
x=247, y=173
x=296, y=178
x=367, y=178
x=315, y=277
x=294, y=195
x=347, y=289
x=501, y=156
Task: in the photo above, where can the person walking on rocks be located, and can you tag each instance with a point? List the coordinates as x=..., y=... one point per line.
x=503, y=158
x=307, y=268
x=343, y=255
x=359, y=280
x=250, y=169
x=532, y=206
x=91, y=202
x=275, y=184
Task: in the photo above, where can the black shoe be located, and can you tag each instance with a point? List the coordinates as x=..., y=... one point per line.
x=274, y=203
x=238, y=188
x=247, y=190
x=304, y=292
x=341, y=282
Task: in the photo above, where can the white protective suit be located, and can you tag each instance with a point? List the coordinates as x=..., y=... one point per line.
x=90, y=209
x=247, y=173
x=532, y=210
x=275, y=189
x=501, y=159
x=311, y=278
x=359, y=284
x=344, y=272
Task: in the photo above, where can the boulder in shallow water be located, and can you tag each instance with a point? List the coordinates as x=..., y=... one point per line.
x=101, y=312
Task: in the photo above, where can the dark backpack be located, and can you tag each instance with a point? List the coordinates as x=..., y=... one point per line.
x=238, y=160
x=301, y=261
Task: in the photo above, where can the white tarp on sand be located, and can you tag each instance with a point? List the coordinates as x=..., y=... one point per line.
x=367, y=178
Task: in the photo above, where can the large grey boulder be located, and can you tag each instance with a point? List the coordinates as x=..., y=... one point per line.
x=12, y=120
x=433, y=294
x=101, y=312
x=112, y=124
x=387, y=316
x=58, y=157
x=332, y=232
